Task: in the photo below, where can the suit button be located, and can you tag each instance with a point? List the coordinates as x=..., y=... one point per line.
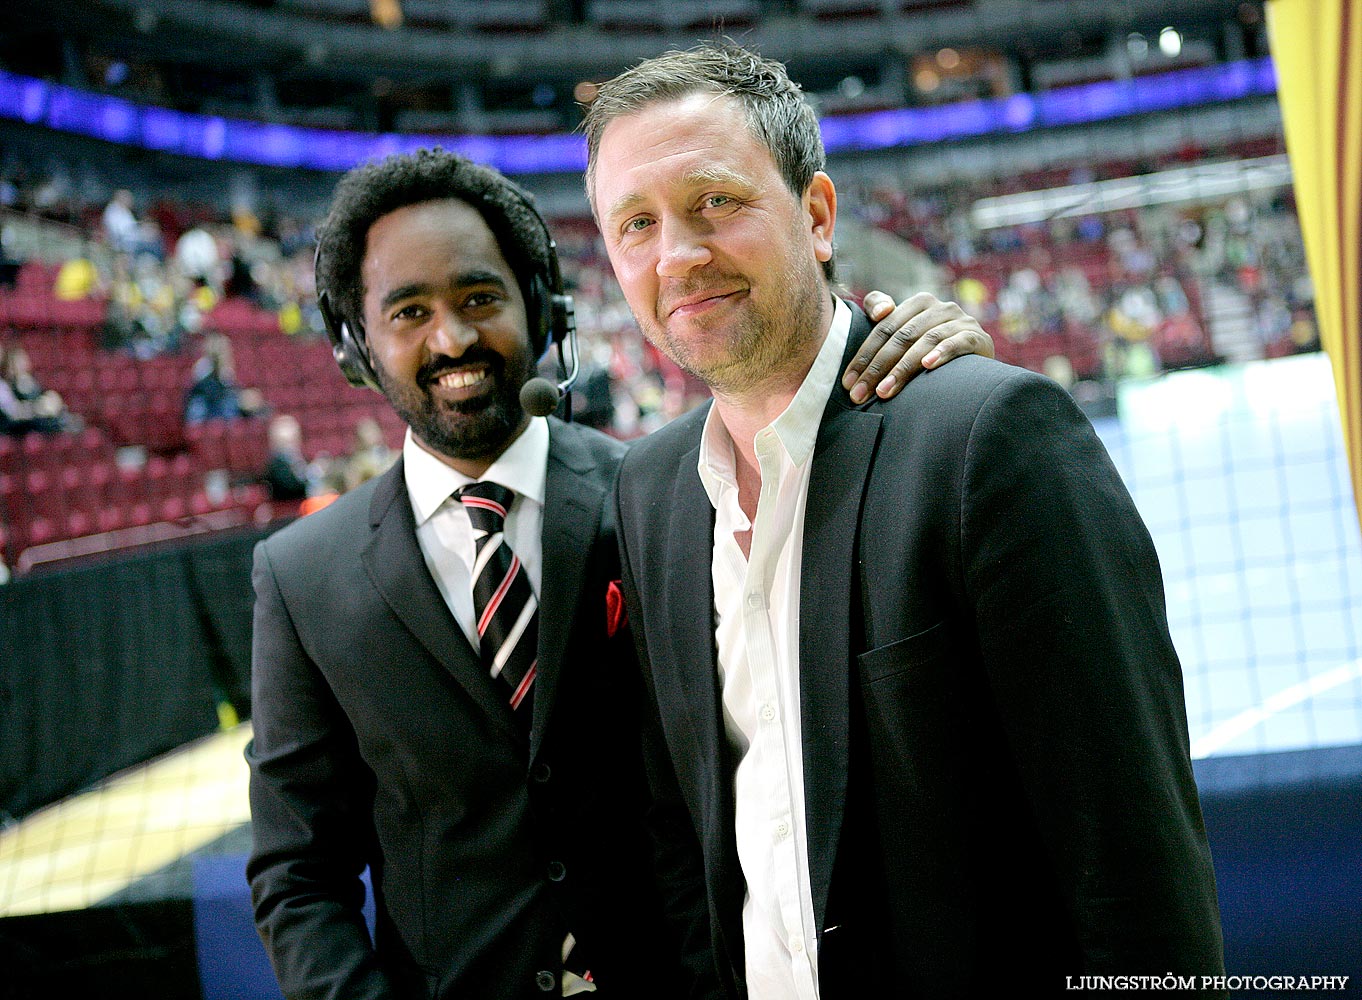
x=546, y=981
x=541, y=773
x=557, y=871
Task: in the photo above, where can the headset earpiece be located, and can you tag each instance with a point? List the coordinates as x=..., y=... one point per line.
x=539, y=314
x=348, y=349
x=564, y=321
x=555, y=304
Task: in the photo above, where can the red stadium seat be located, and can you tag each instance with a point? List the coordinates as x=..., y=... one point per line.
x=85, y=314
x=173, y=508
x=110, y=519
x=140, y=513
x=41, y=531
x=164, y=423
x=43, y=495
x=78, y=524
x=35, y=452
x=12, y=508
x=92, y=446
x=208, y=442
x=126, y=487
x=247, y=447
x=156, y=477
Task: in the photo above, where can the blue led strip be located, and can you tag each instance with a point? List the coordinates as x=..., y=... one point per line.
x=212, y=138
x=1091, y=102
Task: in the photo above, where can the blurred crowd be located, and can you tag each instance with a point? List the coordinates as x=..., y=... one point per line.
x=1121, y=294
x=161, y=268
x=1098, y=297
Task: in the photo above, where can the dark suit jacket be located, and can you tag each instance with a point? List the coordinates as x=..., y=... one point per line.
x=381, y=741
x=998, y=783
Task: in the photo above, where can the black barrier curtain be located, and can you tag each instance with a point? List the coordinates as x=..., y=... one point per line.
x=106, y=666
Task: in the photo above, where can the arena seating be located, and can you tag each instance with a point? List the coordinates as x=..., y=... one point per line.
x=930, y=219
x=135, y=466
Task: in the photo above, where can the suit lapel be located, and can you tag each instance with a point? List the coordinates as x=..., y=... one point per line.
x=393, y=560
x=829, y=578
x=689, y=600
x=683, y=592
x=575, y=491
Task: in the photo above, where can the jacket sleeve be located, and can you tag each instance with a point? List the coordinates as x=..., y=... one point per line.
x=311, y=796
x=678, y=858
x=1064, y=584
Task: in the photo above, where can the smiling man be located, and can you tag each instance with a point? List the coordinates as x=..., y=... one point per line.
x=458, y=388
x=445, y=691
x=917, y=720
x=441, y=695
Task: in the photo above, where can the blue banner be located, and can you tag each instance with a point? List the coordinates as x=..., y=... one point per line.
x=208, y=137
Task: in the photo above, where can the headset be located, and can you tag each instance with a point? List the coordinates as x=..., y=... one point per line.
x=549, y=312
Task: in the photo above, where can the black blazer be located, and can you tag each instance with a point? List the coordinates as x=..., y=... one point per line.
x=381, y=741
x=998, y=784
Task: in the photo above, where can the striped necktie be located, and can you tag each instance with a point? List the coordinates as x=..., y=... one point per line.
x=508, y=629
x=506, y=609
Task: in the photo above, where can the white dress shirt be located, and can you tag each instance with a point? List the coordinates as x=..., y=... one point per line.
x=444, y=532
x=757, y=613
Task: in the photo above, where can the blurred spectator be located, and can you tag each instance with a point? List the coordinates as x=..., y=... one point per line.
x=370, y=457
x=24, y=404
x=240, y=282
x=196, y=255
x=214, y=394
x=9, y=267
x=125, y=300
x=147, y=314
x=124, y=233
x=294, y=238
x=78, y=278
x=120, y=225
x=593, y=400
x=287, y=475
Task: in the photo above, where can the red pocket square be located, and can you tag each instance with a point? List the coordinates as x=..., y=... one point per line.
x=615, y=615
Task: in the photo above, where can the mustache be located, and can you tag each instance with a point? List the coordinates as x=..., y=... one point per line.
x=433, y=369
x=710, y=281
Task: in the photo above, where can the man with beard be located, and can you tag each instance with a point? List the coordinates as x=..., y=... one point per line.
x=444, y=687
x=917, y=723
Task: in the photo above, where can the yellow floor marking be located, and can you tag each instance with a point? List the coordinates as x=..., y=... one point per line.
x=76, y=852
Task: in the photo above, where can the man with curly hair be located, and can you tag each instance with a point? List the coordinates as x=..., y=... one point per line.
x=498, y=810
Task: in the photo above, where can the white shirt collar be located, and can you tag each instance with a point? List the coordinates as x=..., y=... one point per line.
x=797, y=426
x=522, y=467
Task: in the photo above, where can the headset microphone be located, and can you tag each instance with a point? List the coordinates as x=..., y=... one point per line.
x=539, y=396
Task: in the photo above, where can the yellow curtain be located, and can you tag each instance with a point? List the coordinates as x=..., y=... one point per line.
x=1317, y=50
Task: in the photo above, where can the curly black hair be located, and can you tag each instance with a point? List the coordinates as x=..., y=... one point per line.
x=369, y=192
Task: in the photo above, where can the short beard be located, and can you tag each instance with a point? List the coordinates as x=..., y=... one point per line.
x=763, y=348
x=475, y=429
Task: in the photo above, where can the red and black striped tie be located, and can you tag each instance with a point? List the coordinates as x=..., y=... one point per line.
x=506, y=608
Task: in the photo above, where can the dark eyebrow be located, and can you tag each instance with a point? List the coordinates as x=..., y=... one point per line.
x=478, y=278
x=462, y=280
x=404, y=292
